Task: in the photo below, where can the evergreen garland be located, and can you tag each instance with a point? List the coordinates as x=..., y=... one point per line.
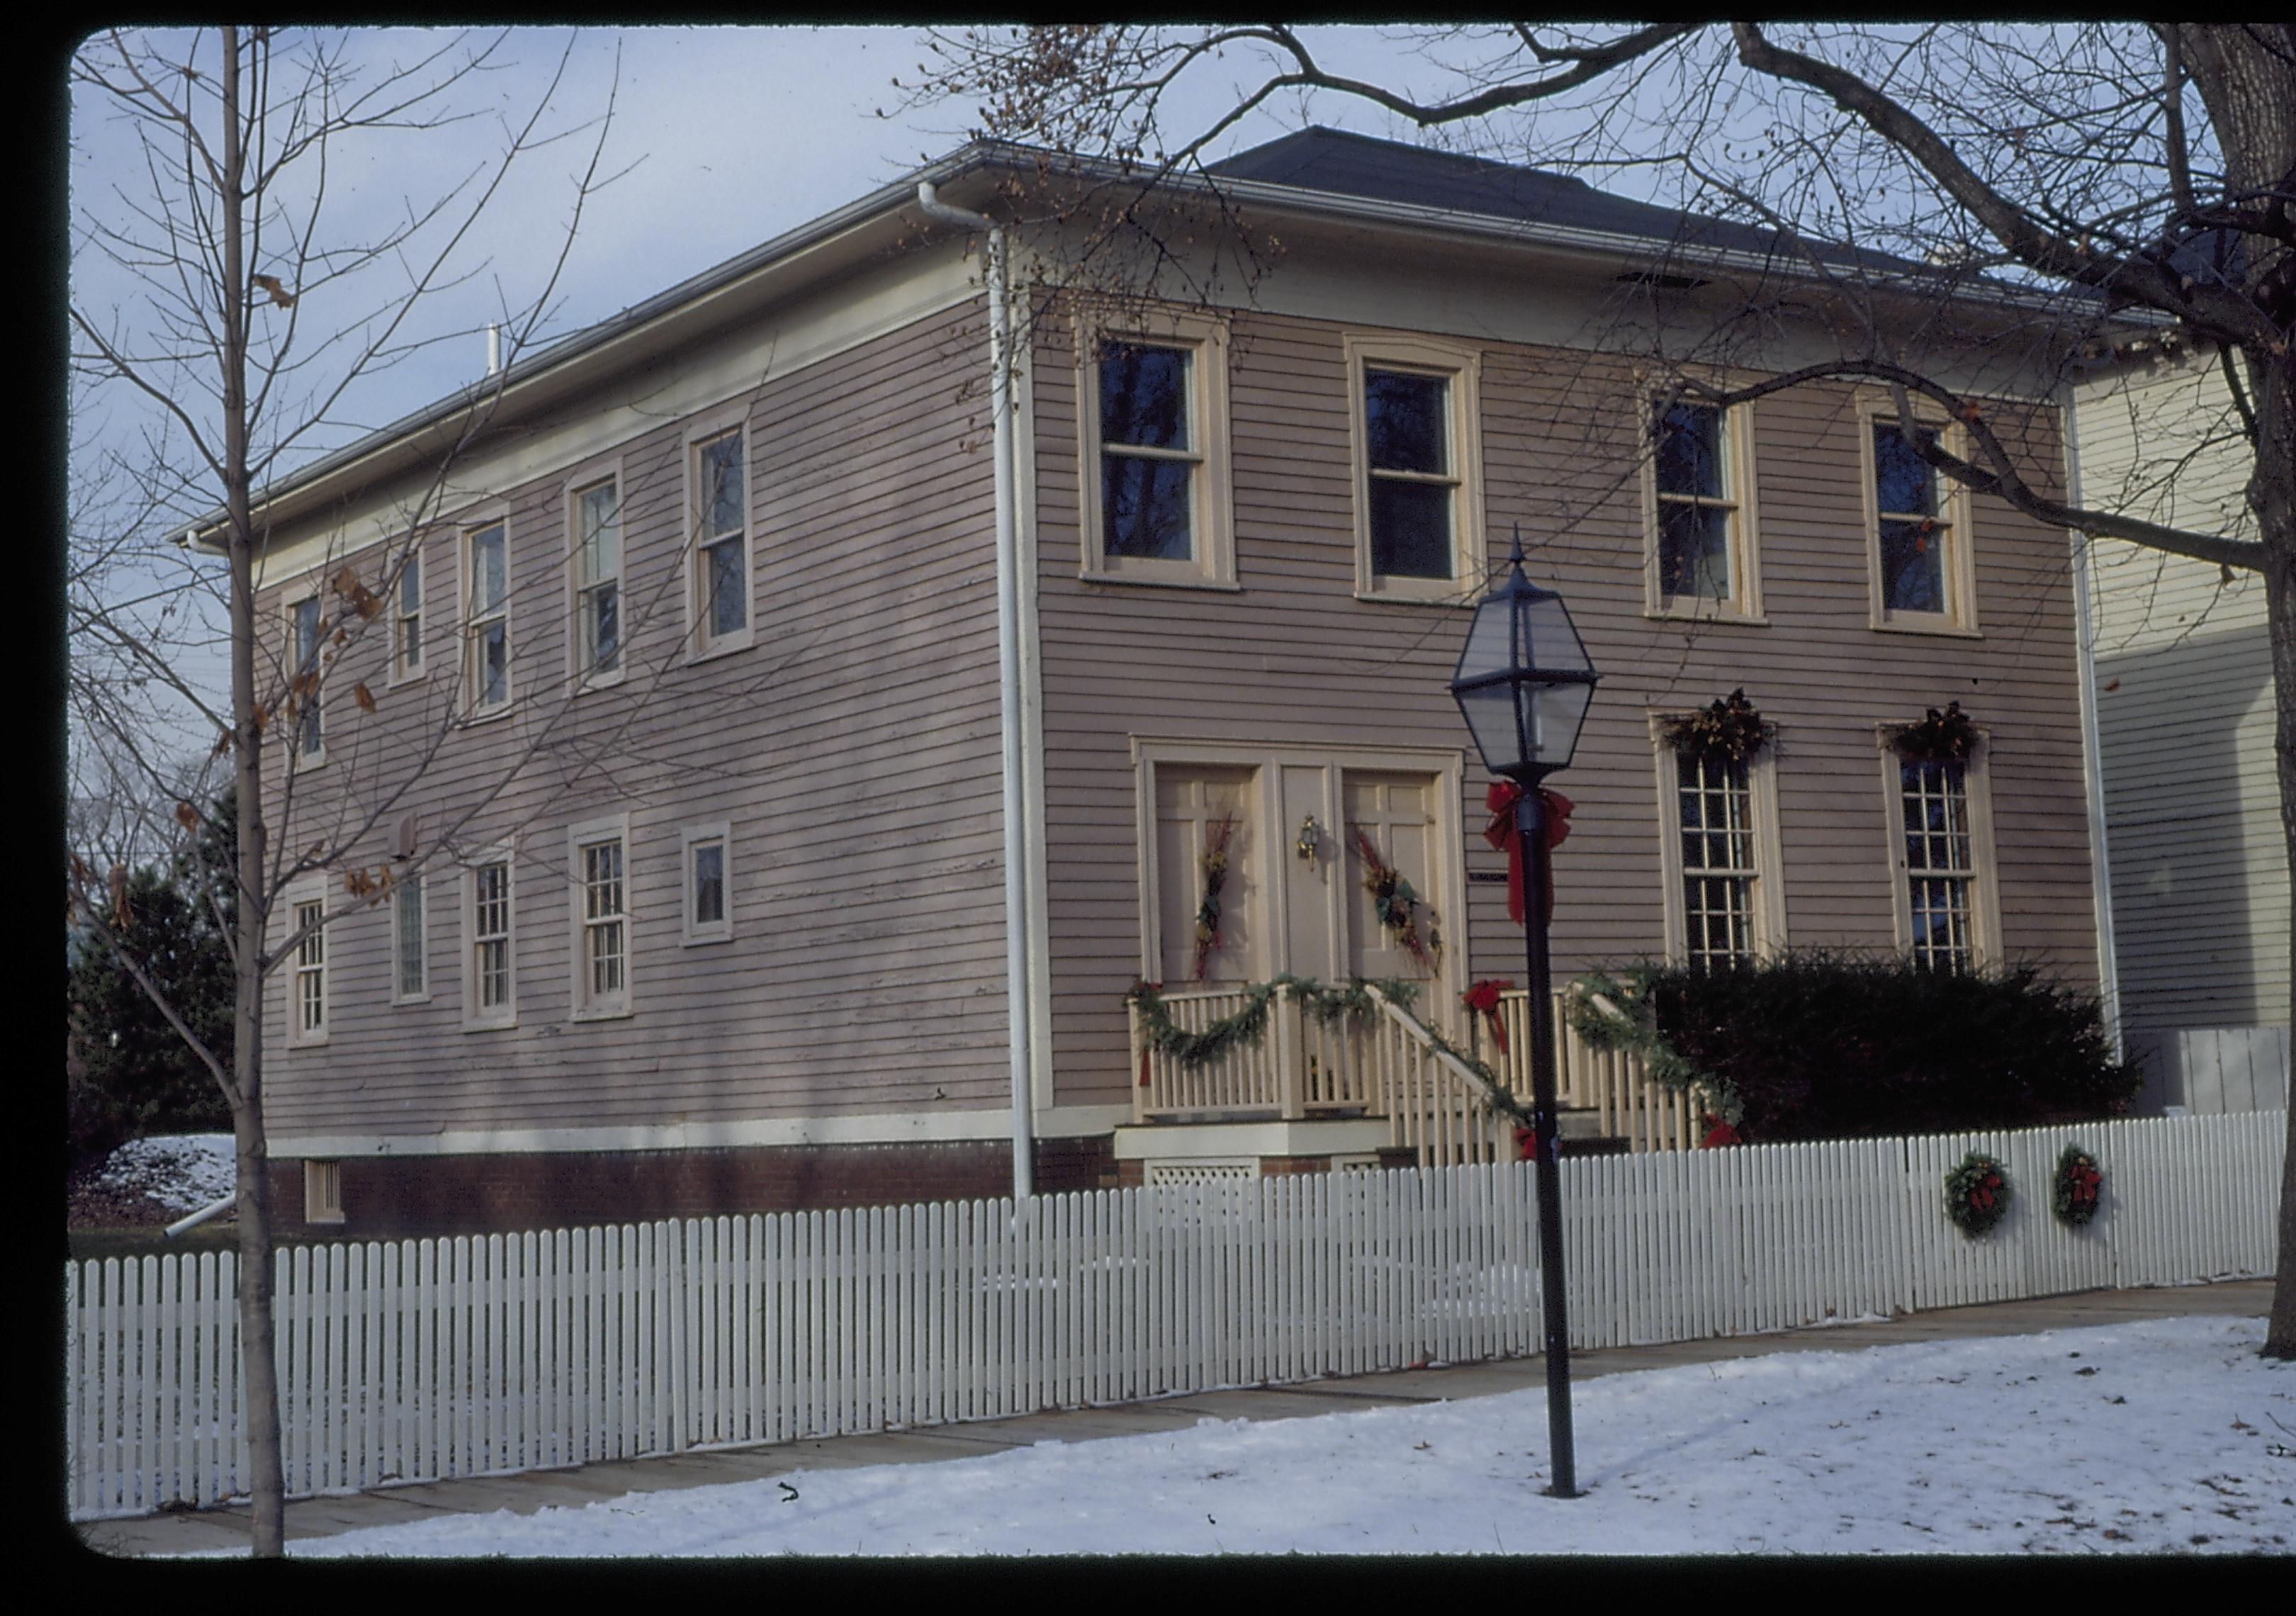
x=1729, y=727
x=2079, y=1186
x=1940, y=737
x=1637, y=1033
x=1249, y=1025
x=1977, y=1193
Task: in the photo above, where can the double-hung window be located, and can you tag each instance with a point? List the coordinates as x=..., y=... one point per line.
x=599, y=853
x=308, y=632
x=1153, y=397
x=597, y=526
x=1702, y=555
x=1944, y=893
x=309, y=1022
x=490, y=964
x=1917, y=529
x=1417, y=450
x=1725, y=896
x=486, y=617
x=721, y=545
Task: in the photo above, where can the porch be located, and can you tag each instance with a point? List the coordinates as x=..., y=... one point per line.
x=1419, y=1070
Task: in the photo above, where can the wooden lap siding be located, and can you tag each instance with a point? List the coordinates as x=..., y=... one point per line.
x=853, y=750
x=1294, y=659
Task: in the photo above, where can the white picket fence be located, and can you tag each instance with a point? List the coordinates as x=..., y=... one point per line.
x=422, y=1359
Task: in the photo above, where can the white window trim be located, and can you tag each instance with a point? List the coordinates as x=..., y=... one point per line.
x=419, y=884
x=1767, y=916
x=1985, y=945
x=720, y=832
x=308, y=889
x=474, y=1018
x=579, y=678
x=1463, y=367
x=466, y=584
x=585, y=1005
x=700, y=646
x=1447, y=886
x=298, y=760
x=1212, y=511
x=1742, y=478
x=414, y=556
x=1959, y=572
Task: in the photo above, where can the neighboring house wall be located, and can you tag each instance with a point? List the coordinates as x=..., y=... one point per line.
x=851, y=751
x=1292, y=658
x=2184, y=715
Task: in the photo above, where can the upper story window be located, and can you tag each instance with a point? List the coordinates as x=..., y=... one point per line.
x=721, y=548
x=1701, y=560
x=1154, y=435
x=308, y=632
x=1417, y=449
x=597, y=528
x=1917, y=529
x=709, y=907
x=410, y=942
x=486, y=607
x=407, y=618
x=601, y=931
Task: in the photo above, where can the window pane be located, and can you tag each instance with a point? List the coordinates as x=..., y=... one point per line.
x=1410, y=528
x=721, y=486
x=1903, y=481
x=729, y=603
x=409, y=900
x=1406, y=424
x=708, y=883
x=494, y=664
x=598, y=533
x=1143, y=395
x=410, y=586
x=601, y=626
x=1694, y=551
x=306, y=635
x=486, y=581
x=1146, y=505
x=1689, y=451
x=1913, y=570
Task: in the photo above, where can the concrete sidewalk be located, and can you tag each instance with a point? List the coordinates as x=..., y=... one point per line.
x=525, y=1494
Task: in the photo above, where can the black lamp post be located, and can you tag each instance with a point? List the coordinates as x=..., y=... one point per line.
x=1523, y=685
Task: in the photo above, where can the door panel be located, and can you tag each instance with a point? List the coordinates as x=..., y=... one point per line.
x=1191, y=805
x=1395, y=813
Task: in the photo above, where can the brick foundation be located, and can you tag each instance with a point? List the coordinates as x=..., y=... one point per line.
x=387, y=1197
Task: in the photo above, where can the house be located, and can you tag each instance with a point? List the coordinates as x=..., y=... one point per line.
x=2180, y=660
x=753, y=845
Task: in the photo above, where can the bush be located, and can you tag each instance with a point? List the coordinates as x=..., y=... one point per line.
x=1825, y=1045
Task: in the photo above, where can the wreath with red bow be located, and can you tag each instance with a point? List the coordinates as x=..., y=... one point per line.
x=1977, y=1193
x=2081, y=1184
x=1482, y=999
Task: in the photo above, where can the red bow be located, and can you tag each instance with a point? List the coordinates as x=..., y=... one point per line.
x=1718, y=1133
x=1500, y=833
x=1483, y=1000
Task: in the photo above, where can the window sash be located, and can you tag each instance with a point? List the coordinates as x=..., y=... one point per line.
x=310, y=736
x=409, y=635
x=721, y=524
x=310, y=971
x=1719, y=866
x=598, y=576
x=410, y=938
x=706, y=882
x=1691, y=563
x=1395, y=551
x=1913, y=541
x=490, y=935
x=489, y=618
x=604, y=936
x=1940, y=864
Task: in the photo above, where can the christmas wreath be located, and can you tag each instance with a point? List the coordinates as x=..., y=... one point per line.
x=1940, y=737
x=1977, y=1193
x=1208, y=913
x=2079, y=1184
x=1729, y=727
x=1396, y=904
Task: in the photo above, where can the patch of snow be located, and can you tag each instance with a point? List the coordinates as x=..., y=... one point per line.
x=2168, y=1436
x=181, y=1171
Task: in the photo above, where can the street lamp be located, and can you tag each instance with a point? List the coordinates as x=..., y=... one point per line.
x=1524, y=686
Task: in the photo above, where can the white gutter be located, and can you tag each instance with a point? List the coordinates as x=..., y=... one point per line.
x=1008, y=676
x=2108, y=967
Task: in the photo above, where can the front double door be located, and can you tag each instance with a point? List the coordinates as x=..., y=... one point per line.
x=1295, y=856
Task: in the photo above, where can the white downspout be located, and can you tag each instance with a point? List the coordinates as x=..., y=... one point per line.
x=1008, y=676
x=2108, y=959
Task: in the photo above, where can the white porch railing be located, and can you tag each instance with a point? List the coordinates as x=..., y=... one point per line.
x=1302, y=1067
x=1613, y=1084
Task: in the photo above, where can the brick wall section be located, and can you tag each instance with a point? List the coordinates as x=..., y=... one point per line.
x=392, y=1197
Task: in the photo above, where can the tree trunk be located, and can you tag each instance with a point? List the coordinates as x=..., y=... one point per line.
x=2273, y=498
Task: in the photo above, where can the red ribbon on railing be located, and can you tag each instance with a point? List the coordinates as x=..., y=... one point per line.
x=1500, y=833
x=1483, y=1000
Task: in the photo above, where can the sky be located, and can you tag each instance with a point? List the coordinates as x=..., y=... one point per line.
x=2165, y=1437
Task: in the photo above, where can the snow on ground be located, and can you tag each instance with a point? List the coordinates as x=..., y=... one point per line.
x=184, y=1171
x=2166, y=1436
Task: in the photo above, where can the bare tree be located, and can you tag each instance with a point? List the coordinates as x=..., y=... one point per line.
x=259, y=308
x=2067, y=179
